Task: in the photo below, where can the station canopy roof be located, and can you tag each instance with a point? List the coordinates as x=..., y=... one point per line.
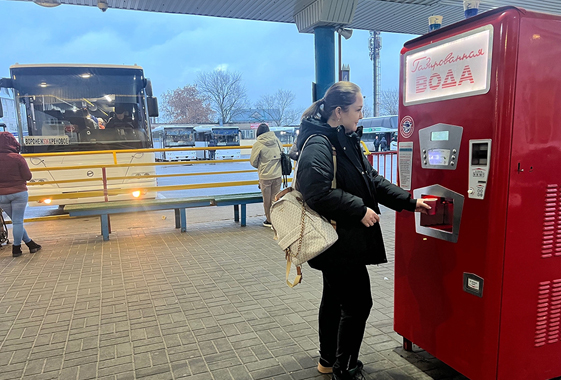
x=398, y=16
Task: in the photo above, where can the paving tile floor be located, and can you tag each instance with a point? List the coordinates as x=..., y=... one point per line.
x=154, y=303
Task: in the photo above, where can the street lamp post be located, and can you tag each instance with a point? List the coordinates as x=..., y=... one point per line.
x=347, y=33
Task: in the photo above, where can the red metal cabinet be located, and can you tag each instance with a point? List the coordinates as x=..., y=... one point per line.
x=508, y=238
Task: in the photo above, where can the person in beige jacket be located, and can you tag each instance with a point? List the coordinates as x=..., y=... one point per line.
x=265, y=156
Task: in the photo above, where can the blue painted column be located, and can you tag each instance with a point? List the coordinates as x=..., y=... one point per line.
x=324, y=38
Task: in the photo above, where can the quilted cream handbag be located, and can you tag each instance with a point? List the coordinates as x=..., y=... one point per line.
x=301, y=232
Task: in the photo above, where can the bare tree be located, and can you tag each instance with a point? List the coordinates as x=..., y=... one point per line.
x=186, y=105
x=389, y=102
x=367, y=110
x=293, y=116
x=225, y=92
x=277, y=107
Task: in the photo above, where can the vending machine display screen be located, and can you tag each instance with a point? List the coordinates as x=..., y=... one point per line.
x=439, y=156
x=439, y=136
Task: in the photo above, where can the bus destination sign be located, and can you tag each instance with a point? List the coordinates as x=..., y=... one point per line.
x=46, y=140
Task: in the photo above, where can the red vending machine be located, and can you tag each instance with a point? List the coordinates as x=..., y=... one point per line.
x=478, y=280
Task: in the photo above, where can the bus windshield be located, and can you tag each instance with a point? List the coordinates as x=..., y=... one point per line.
x=71, y=107
x=175, y=137
x=286, y=135
x=226, y=136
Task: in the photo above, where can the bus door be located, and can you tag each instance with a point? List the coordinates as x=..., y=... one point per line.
x=202, y=139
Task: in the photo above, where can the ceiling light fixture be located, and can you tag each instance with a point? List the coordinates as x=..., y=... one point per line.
x=47, y=3
x=102, y=5
x=347, y=33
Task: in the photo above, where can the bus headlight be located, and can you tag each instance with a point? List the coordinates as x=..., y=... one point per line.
x=46, y=201
x=140, y=174
x=32, y=180
x=139, y=193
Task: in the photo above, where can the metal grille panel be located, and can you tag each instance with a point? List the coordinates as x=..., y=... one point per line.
x=548, y=313
x=551, y=236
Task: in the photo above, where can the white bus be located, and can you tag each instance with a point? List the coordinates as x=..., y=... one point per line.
x=174, y=136
x=383, y=126
x=213, y=135
x=286, y=135
x=67, y=108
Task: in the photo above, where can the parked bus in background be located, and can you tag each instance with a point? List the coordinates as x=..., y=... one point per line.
x=174, y=136
x=383, y=126
x=213, y=135
x=72, y=108
x=286, y=135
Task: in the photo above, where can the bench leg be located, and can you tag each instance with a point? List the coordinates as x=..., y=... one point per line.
x=243, y=216
x=105, y=226
x=177, y=218
x=236, y=213
x=183, y=220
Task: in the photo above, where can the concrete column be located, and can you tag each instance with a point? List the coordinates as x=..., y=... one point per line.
x=324, y=41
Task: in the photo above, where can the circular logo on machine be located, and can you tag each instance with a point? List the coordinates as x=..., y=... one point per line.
x=407, y=126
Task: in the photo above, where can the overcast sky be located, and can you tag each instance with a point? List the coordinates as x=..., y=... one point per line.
x=172, y=49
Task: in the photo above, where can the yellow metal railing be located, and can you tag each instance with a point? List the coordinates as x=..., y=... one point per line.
x=144, y=190
x=147, y=150
x=366, y=151
x=98, y=166
x=105, y=191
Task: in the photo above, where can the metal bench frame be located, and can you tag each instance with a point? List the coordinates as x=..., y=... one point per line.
x=104, y=209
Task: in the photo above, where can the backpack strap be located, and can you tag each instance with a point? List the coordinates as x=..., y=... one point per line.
x=298, y=278
x=334, y=157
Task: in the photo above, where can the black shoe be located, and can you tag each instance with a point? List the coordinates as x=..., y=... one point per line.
x=16, y=250
x=352, y=374
x=358, y=369
x=266, y=223
x=33, y=247
x=346, y=375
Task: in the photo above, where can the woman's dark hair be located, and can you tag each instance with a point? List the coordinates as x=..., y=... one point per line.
x=263, y=128
x=341, y=94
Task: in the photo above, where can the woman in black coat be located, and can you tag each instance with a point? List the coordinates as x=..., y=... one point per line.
x=353, y=205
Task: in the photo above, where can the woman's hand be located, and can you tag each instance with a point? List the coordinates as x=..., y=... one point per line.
x=422, y=207
x=370, y=218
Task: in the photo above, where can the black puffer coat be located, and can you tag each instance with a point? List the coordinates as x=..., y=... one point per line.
x=358, y=186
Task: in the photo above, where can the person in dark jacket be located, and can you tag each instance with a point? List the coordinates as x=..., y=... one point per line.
x=353, y=205
x=293, y=153
x=376, y=144
x=121, y=119
x=14, y=173
x=383, y=144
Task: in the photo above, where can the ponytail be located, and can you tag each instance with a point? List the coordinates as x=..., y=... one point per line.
x=341, y=94
x=315, y=110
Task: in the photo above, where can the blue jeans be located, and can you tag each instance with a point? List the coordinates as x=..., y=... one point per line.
x=14, y=205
